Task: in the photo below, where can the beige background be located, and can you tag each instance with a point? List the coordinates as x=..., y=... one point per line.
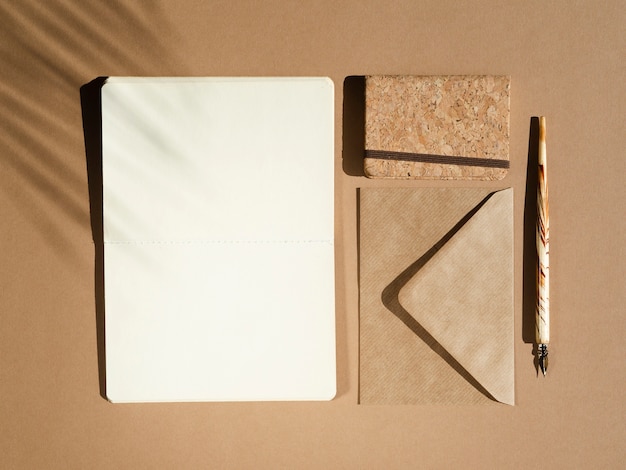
x=566, y=61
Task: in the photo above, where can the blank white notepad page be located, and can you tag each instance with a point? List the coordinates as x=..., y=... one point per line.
x=218, y=239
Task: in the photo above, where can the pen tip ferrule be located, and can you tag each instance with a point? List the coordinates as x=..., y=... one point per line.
x=542, y=354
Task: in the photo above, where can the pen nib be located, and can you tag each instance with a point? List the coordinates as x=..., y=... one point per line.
x=542, y=353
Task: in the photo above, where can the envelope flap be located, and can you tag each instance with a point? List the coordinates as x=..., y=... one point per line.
x=463, y=296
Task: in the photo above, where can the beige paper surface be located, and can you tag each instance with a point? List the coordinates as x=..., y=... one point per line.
x=436, y=286
x=565, y=62
x=207, y=278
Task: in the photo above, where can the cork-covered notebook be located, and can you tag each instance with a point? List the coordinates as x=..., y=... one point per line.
x=437, y=127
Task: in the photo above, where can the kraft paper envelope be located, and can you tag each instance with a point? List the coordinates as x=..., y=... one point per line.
x=218, y=239
x=436, y=293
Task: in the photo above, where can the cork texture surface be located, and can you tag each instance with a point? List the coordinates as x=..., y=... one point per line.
x=456, y=116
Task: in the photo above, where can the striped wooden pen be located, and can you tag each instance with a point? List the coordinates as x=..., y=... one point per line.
x=542, y=333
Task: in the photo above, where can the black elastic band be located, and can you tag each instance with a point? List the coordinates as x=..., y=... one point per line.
x=443, y=159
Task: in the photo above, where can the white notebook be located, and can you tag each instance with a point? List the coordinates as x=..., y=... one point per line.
x=218, y=239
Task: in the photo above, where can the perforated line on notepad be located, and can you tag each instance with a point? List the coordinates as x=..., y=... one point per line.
x=209, y=242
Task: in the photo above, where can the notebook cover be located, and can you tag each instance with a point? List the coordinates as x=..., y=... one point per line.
x=437, y=127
